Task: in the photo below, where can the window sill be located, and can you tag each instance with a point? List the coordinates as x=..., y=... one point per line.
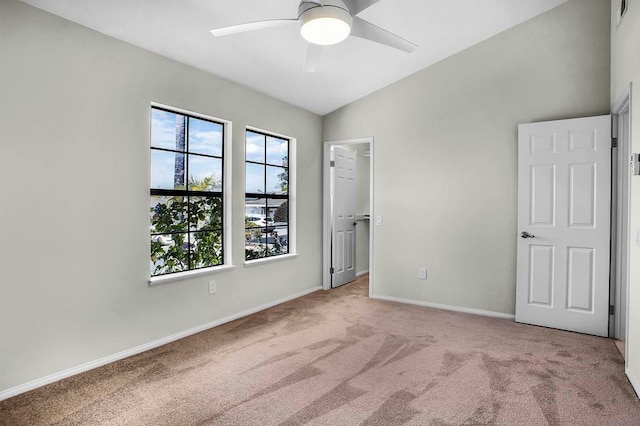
x=256, y=262
x=180, y=276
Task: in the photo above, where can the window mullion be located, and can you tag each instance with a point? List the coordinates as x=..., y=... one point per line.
x=222, y=183
x=186, y=187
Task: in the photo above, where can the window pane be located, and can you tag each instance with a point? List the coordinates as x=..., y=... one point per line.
x=254, y=212
x=168, y=254
x=275, y=207
x=280, y=212
x=255, y=147
x=167, y=170
x=262, y=242
x=277, y=151
x=255, y=243
x=205, y=173
x=205, y=213
x=277, y=241
x=205, y=137
x=255, y=178
x=165, y=129
x=277, y=180
x=206, y=249
x=167, y=214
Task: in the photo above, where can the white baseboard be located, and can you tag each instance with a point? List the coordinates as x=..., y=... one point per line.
x=358, y=274
x=445, y=307
x=34, y=384
x=634, y=383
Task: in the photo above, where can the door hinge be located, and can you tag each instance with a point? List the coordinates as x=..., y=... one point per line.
x=332, y=163
x=614, y=142
x=331, y=271
x=612, y=309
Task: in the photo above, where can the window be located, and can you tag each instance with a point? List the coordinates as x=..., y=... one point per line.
x=186, y=208
x=267, y=213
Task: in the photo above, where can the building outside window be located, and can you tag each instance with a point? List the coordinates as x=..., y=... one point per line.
x=186, y=197
x=267, y=212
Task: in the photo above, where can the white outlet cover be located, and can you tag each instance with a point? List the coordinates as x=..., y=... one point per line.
x=212, y=287
x=379, y=220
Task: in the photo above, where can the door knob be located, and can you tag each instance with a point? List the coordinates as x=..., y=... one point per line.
x=525, y=234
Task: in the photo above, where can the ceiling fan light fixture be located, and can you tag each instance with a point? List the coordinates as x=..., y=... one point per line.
x=325, y=25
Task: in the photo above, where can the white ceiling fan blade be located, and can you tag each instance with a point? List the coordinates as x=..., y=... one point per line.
x=251, y=26
x=368, y=31
x=314, y=52
x=357, y=6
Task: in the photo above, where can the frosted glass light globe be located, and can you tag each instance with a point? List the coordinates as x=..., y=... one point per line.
x=325, y=25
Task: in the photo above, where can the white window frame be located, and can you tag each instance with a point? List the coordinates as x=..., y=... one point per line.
x=227, y=199
x=292, y=236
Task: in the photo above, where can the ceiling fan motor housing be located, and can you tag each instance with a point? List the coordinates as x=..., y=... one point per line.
x=325, y=24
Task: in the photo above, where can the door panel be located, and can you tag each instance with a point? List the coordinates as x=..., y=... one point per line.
x=541, y=276
x=543, y=180
x=350, y=258
x=339, y=247
x=343, y=213
x=582, y=195
x=580, y=281
x=564, y=189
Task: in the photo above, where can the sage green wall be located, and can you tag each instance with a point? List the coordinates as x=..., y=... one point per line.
x=446, y=152
x=74, y=126
x=625, y=68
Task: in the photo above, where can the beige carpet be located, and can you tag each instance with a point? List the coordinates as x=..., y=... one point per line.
x=339, y=358
x=620, y=345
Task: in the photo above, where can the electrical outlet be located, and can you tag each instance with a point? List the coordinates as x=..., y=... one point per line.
x=379, y=220
x=212, y=287
x=422, y=273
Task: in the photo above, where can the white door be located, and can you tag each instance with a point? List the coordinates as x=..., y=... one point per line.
x=343, y=215
x=564, y=197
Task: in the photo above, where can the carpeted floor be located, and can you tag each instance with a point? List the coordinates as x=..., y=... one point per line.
x=339, y=358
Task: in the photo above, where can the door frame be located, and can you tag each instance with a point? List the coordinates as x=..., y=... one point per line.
x=620, y=296
x=326, y=208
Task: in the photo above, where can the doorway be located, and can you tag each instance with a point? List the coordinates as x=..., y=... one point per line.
x=620, y=229
x=364, y=152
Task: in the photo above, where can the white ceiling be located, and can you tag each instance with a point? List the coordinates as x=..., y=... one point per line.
x=271, y=60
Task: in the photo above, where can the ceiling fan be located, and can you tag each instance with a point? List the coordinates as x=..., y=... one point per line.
x=327, y=22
